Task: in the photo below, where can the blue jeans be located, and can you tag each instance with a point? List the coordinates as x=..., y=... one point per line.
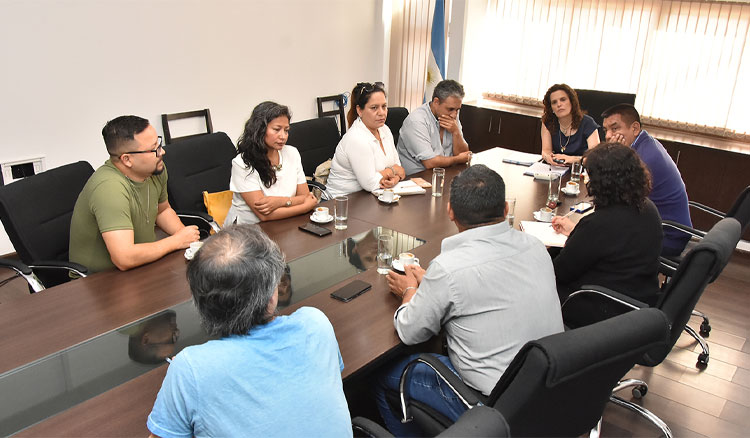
x=423, y=385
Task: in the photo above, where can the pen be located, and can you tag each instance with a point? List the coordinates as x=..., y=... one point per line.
x=568, y=214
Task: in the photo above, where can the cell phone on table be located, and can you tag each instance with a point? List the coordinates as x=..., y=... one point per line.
x=315, y=229
x=351, y=291
x=582, y=207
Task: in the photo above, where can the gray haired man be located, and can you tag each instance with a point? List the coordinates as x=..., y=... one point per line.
x=431, y=135
x=264, y=375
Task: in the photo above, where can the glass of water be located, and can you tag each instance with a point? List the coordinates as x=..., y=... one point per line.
x=385, y=253
x=575, y=171
x=340, y=212
x=438, y=180
x=511, y=216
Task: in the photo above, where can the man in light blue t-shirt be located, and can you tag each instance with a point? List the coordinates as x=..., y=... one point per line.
x=265, y=375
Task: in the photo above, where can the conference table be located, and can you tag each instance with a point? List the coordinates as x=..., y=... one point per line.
x=75, y=313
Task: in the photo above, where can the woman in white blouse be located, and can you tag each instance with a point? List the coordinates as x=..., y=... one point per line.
x=365, y=158
x=267, y=177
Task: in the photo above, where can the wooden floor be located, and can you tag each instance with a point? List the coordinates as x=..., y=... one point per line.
x=714, y=402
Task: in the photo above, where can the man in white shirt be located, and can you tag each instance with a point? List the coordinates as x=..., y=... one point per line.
x=492, y=289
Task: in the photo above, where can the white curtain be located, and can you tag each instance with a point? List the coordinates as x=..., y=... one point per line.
x=410, y=47
x=686, y=61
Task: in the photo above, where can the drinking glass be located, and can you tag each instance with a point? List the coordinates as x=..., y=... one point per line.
x=340, y=212
x=575, y=172
x=438, y=179
x=553, y=195
x=385, y=253
x=511, y=216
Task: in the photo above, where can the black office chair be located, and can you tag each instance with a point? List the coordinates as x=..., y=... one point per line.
x=166, y=118
x=700, y=266
x=557, y=385
x=480, y=421
x=338, y=110
x=316, y=141
x=195, y=165
x=36, y=213
x=739, y=210
x=594, y=102
x=394, y=120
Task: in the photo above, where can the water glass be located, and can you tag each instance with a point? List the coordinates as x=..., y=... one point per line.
x=511, y=215
x=340, y=212
x=438, y=180
x=553, y=195
x=385, y=253
x=575, y=172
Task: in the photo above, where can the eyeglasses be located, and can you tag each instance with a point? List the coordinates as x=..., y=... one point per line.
x=366, y=87
x=157, y=151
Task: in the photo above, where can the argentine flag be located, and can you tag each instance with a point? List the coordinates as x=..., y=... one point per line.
x=436, y=61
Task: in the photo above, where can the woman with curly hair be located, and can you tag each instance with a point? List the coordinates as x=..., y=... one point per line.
x=566, y=132
x=618, y=245
x=267, y=177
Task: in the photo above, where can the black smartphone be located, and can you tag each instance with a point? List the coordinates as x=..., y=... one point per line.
x=315, y=229
x=559, y=160
x=351, y=291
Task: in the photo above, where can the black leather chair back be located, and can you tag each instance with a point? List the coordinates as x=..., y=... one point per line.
x=316, y=141
x=394, y=120
x=699, y=267
x=741, y=209
x=197, y=164
x=560, y=384
x=36, y=211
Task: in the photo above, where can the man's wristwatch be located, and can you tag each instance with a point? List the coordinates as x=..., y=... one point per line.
x=289, y=202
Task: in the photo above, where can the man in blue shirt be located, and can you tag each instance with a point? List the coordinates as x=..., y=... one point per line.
x=622, y=124
x=265, y=375
x=431, y=135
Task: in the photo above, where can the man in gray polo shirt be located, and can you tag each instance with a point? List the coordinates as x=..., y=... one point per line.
x=492, y=289
x=431, y=136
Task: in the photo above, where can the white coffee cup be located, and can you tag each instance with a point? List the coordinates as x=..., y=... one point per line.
x=407, y=258
x=321, y=213
x=195, y=246
x=546, y=214
x=572, y=187
x=387, y=195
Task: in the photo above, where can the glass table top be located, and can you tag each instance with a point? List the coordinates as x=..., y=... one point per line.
x=45, y=387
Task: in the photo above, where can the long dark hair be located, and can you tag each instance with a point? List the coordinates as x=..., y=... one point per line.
x=360, y=96
x=252, y=143
x=550, y=119
x=617, y=176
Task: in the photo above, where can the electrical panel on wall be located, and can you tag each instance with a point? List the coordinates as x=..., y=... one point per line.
x=19, y=169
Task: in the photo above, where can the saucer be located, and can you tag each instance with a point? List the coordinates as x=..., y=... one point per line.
x=538, y=217
x=395, y=199
x=570, y=193
x=325, y=221
x=398, y=267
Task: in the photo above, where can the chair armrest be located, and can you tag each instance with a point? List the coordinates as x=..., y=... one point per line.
x=685, y=229
x=667, y=267
x=204, y=221
x=75, y=268
x=468, y=396
x=324, y=195
x=479, y=421
x=364, y=427
x=592, y=304
x=707, y=209
x=24, y=271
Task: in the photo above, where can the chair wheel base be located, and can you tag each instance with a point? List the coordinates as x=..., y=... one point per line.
x=705, y=329
x=640, y=391
x=702, y=361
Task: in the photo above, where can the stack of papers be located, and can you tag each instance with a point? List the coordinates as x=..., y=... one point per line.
x=407, y=187
x=544, y=232
x=546, y=169
x=522, y=158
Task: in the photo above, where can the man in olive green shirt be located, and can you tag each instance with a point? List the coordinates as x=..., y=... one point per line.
x=115, y=215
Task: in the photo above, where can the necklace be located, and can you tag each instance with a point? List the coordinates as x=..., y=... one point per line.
x=278, y=167
x=559, y=136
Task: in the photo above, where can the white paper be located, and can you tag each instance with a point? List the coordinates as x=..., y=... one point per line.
x=544, y=232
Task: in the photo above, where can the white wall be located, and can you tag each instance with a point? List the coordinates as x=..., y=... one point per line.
x=68, y=66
